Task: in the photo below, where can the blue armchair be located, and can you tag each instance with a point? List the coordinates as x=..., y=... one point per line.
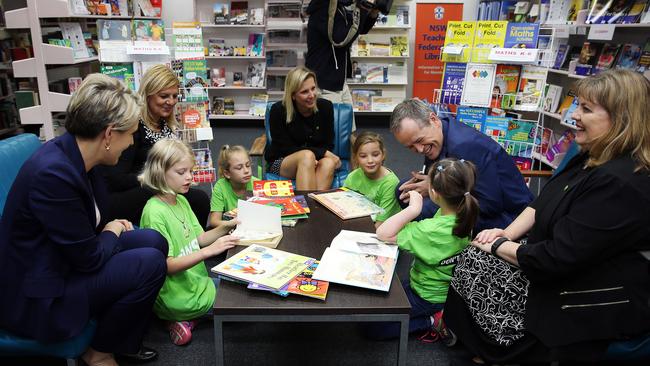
x=342, y=133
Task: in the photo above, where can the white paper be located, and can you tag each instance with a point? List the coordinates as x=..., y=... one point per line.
x=601, y=32
x=479, y=80
x=360, y=242
x=257, y=222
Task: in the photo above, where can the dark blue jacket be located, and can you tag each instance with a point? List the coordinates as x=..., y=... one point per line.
x=500, y=188
x=48, y=235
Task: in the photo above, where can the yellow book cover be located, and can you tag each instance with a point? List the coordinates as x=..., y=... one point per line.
x=489, y=34
x=459, y=34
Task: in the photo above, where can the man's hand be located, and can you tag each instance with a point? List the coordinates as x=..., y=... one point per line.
x=419, y=182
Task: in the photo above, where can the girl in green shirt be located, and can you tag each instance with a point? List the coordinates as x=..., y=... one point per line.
x=434, y=243
x=188, y=291
x=236, y=178
x=372, y=178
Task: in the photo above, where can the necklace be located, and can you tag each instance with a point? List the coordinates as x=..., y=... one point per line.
x=186, y=229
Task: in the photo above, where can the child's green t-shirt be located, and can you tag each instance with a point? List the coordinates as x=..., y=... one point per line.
x=224, y=198
x=187, y=294
x=380, y=191
x=431, y=242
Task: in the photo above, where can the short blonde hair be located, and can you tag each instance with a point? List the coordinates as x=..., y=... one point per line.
x=625, y=95
x=224, y=157
x=163, y=155
x=292, y=84
x=157, y=78
x=101, y=101
x=367, y=137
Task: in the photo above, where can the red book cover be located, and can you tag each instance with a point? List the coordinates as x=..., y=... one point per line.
x=272, y=188
x=289, y=206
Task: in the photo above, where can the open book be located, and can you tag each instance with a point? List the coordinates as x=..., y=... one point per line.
x=358, y=259
x=346, y=204
x=259, y=224
x=264, y=266
x=303, y=284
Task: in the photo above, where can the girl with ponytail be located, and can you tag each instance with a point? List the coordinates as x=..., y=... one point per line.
x=434, y=243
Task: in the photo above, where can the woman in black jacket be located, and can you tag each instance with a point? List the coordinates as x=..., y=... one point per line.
x=159, y=90
x=302, y=134
x=585, y=284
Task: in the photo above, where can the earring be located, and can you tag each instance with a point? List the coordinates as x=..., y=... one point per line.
x=107, y=147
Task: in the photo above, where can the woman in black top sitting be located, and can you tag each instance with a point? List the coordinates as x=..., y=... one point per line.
x=159, y=90
x=302, y=134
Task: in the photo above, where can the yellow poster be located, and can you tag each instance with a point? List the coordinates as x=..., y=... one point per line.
x=460, y=35
x=489, y=34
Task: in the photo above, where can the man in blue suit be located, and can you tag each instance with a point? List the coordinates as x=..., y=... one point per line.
x=500, y=187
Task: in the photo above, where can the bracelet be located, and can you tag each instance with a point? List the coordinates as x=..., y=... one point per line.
x=496, y=244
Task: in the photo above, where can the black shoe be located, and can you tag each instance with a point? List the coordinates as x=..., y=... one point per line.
x=145, y=354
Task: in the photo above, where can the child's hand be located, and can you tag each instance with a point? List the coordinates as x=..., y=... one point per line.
x=222, y=244
x=415, y=201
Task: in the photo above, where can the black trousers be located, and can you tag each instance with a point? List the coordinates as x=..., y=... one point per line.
x=129, y=204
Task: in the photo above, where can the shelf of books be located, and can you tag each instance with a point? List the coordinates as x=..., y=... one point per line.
x=380, y=63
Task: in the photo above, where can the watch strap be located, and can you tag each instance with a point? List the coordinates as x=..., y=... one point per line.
x=496, y=244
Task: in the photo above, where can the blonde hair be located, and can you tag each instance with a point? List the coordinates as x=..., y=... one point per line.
x=163, y=155
x=292, y=84
x=625, y=95
x=224, y=157
x=157, y=78
x=101, y=101
x=367, y=137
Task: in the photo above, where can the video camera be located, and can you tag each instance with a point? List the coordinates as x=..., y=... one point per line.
x=382, y=5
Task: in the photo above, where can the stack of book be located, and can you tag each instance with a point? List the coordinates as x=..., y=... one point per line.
x=346, y=204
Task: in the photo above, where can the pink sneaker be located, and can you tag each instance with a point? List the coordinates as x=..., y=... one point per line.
x=446, y=335
x=180, y=332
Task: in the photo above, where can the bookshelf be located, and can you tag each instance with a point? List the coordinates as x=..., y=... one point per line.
x=32, y=17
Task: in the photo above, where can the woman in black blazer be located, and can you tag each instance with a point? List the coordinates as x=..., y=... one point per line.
x=588, y=283
x=62, y=262
x=302, y=134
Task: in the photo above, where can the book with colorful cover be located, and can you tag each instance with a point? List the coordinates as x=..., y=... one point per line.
x=192, y=114
x=303, y=284
x=289, y=205
x=258, y=104
x=597, y=11
x=522, y=35
x=203, y=170
x=643, y=64
x=346, y=204
x=552, y=98
x=265, y=266
x=122, y=72
x=506, y=81
x=239, y=12
x=399, y=46
x=561, y=55
x=358, y=259
x=617, y=12
x=574, y=8
x=255, y=74
x=531, y=87
x=472, y=116
x=633, y=15
x=566, y=102
x=256, y=16
x=521, y=131
x=255, y=44
x=272, y=188
x=607, y=57
x=453, y=80
x=489, y=34
x=496, y=127
x=460, y=35
x=566, y=116
x=195, y=80
x=113, y=30
x=149, y=30
x=629, y=56
x=221, y=13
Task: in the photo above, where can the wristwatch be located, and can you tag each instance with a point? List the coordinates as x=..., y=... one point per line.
x=496, y=244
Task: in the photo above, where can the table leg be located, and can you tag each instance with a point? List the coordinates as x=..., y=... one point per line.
x=403, y=340
x=218, y=341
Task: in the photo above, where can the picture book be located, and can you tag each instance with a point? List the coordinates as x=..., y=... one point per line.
x=272, y=188
x=256, y=16
x=557, y=151
x=383, y=103
x=566, y=116
x=149, y=30
x=237, y=78
x=566, y=102
x=376, y=73
x=195, y=80
x=228, y=106
x=504, y=90
x=303, y=284
x=218, y=77
x=258, y=224
x=598, y=10
x=453, y=80
x=203, y=170
x=73, y=34
x=459, y=41
x=618, y=10
x=188, y=40
x=358, y=259
x=633, y=15
x=531, y=87
x=521, y=35
x=561, y=56
x=607, y=57
x=552, y=98
x=288, y=205
x=628, y=57
x=265, y=266
x=574, y=8
x=399, y=46
x=221, y=13
x=239, y=12
x=360, y=99
x=122, y=72
x=496, y=127
x=73, y=84
x=472, y=116
x=258, y=104
x=113, y=30
x=216, y=46
x=192, y=114
x=479, y=82
x=255, y=74
x=643, y=64
x=489, y=34
x=589, y=52
x=521, y=131
x=217, y=105
x=346, y=204
x=255, y=44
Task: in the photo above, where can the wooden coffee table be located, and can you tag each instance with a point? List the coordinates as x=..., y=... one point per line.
x=310, y=237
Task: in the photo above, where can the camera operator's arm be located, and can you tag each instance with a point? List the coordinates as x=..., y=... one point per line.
x=368, y=19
